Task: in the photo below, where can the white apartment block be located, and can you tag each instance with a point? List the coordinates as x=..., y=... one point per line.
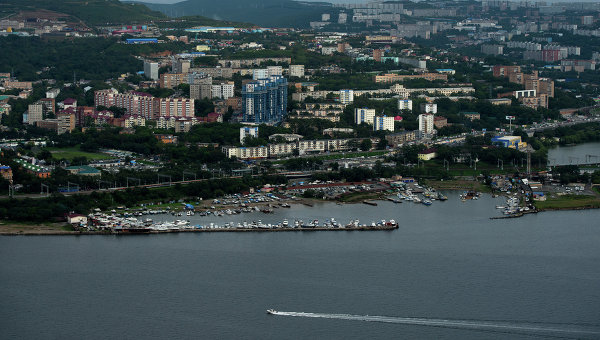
x=311, y=146
x=166, y=122
x=223, y=90
x=426, y=123
x=524, y=93
x=151, y=70
x=134, y=120
x=260, y=73
x=274, y=71
x=346, y=96
x=405, y=104
x=338, y=144
x=53, y=93
x=296, y=71
x=246, y=152
x=381, y=123
x=248, y=131
x=364, y=115
x=429, y=108
x=282, y=149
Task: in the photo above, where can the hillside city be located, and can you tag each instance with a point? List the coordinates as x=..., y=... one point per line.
x=102, y=111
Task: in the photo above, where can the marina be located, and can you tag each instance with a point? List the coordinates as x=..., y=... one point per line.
x=131, y=225
x=231, y=213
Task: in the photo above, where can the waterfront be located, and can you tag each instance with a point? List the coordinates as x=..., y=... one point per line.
x=448, y=260
x=575, y=154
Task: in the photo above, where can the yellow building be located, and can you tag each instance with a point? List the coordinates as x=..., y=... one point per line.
x=427, y=154
x=202, y=48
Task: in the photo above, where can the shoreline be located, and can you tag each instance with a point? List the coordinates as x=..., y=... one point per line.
x=223, y=230
x=58, y=229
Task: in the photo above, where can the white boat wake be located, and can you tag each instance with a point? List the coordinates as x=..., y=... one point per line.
x=556, y=329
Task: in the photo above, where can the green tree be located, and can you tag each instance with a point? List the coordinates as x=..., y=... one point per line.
x=366, y=145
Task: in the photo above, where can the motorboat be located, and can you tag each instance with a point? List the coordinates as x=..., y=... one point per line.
x=271, y=311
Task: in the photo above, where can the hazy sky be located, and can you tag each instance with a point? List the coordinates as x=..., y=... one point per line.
x=346, y=1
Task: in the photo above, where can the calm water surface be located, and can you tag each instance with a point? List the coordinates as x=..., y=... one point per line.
x=576, y=154
x=448, y=260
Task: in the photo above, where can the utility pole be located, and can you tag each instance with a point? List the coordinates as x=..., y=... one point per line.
x=528, y=161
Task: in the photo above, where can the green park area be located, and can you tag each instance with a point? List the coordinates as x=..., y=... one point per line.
x=74, y=152
x=556, y=202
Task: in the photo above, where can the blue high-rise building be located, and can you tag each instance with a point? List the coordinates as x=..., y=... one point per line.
x=265, y=100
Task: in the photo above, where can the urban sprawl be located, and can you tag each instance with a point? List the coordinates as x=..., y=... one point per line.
x=444, y=90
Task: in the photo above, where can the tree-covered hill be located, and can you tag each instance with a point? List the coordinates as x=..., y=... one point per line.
x=92, y=12
x=275, y=13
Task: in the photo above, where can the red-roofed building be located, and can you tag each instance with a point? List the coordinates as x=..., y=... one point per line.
x=69, y=102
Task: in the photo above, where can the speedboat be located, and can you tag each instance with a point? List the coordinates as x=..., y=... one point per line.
x=271, y=311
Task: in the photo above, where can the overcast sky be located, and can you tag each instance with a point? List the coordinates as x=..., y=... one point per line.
x=344, y=1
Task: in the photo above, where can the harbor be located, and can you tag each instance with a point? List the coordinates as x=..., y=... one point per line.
x=131, y=225
x=285, y=210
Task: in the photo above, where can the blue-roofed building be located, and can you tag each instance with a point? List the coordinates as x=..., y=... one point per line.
x=445, y=70
x=513, y=142
x=142, y=41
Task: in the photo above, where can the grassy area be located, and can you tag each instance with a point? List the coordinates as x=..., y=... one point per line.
x=19, y=227
x=568, y=202
x=70, y=153
x=458, y=185
x=359, y=196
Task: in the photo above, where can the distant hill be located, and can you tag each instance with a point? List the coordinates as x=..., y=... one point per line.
x=92, y=12
x=268, y=13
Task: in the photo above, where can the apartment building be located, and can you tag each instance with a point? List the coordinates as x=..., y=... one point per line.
x=172, y=80
x=66, y=121
x=248, y=131
x=177, y=107
x=151, y=70
x=505, y=71
x=255, y=152
x=383, y=123
x=201, y=91
x=222, y=90
x=400, y=138
x=265, y=100
x=405, y=104
x=429, y=108
x=392, y=77
x=364, y=116
x=181, y=66
x=346, y=96
x=296, y=71
x=35, y=113
x=282, y=149
x=140, y=103
x=426, y=123
x=311, y=146
x=535, y=102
